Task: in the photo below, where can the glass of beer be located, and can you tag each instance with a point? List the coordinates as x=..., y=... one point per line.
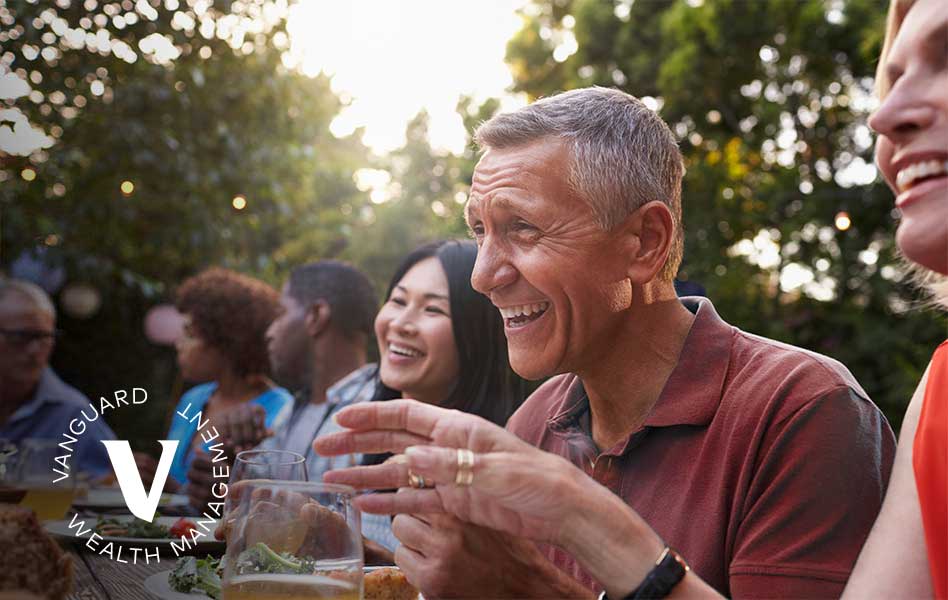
x=10, y=490
x=47, y=493
x=293, y=540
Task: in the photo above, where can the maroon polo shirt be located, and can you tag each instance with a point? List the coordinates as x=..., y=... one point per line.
x=762, y=464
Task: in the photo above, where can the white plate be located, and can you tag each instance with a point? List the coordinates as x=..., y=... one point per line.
x=112, y=498
x=204, y=545
x=158, y=586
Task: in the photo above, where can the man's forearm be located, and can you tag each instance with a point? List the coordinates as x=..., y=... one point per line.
x=618, y=549
x=546, y=581
x=611, y=543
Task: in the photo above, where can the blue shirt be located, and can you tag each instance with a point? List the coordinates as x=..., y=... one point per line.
x=276, y=402
x=47, y=416
x=310, y=421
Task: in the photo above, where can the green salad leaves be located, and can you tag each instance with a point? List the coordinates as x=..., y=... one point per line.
x=202, y=575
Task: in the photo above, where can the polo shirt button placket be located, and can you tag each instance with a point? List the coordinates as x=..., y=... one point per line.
x=603, y=472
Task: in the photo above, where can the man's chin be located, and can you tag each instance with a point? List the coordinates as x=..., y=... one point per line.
x=530, y=368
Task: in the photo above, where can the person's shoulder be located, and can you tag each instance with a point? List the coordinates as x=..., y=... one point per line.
x=940, y=357
x=196, y=396
x=784, y=379
x=546, y=401
x=201, y=390
x=65, y=403
x=55, y=390
x=357, y=386
x=785, y=364
x=278, y=404
x=275, y=396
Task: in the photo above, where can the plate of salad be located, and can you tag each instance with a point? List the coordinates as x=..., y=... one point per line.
x=188, y=535
x=196, y=579
x=200, y=578
x=191, y=579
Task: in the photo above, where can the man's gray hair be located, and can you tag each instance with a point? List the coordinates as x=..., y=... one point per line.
x=622, y=154
x=33, y=293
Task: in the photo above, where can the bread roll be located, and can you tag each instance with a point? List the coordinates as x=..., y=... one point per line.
x=31, y=562
x=388, y=583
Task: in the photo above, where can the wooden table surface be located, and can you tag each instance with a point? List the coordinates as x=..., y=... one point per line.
x=100, y=578
x=97, y=577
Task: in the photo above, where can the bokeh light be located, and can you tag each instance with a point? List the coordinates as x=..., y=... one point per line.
x=28, y=174
x=843, y=222
x=239, y=202
x=127, y=187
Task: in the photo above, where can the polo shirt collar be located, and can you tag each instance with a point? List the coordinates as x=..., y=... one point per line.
x=692, y=394
x=351, y=386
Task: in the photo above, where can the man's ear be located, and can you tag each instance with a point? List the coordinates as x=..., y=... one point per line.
x=317, y=318
x=646, y=237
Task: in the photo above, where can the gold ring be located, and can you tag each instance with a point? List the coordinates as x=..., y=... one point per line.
x=465, y=474
x=416, y=481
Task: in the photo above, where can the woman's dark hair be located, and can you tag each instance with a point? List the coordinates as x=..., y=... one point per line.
x=486, y=386
x=231, y=312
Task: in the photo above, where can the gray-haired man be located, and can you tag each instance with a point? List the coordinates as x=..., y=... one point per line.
x=34, y=401
x=764, y=465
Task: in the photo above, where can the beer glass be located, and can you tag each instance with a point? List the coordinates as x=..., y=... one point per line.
x=293, y=540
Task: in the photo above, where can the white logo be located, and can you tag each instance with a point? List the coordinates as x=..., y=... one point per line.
x=141, y=504
x=130, y=480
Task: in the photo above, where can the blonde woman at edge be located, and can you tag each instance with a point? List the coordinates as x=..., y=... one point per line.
x=906, y=554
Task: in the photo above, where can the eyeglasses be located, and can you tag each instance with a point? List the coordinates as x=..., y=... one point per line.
x=25, y=337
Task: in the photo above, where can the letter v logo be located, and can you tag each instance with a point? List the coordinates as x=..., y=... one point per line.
x=130, y=480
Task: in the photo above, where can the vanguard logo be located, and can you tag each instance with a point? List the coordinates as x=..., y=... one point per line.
x=140, y=503
x=130, y=481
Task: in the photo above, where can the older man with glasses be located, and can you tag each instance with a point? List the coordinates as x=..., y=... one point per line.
x=34, y=401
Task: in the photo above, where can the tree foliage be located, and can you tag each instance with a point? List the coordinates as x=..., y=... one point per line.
x=225, y=154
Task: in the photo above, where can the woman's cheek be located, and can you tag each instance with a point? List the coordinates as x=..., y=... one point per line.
x=884, y=152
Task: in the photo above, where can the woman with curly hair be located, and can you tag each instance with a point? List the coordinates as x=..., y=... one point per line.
x=226, y=316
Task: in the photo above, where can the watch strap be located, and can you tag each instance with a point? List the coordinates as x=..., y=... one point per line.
x=669, y=570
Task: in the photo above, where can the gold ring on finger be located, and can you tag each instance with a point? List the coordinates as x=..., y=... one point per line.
x=465, y=474
x=416, y=481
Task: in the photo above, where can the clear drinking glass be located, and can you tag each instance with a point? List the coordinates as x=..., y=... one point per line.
x=49, y=498
x=293, y=540
x=10, y=490
x=251, y=465
x=280, y=465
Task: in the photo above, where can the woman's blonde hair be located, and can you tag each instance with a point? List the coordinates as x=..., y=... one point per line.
x=935, y=283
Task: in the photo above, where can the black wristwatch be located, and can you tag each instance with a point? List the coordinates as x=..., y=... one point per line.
x=669, y=569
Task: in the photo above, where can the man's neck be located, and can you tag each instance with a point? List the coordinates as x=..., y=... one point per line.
x=332, y=366
x=625, y=385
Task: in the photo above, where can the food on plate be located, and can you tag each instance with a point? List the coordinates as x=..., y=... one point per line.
x=138, y=528
x=260, y=558
x=182, y=527
x=31, y=561
x=200, y=575
x=388, y=583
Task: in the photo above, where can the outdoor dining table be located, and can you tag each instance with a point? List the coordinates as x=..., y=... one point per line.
x=98, y=577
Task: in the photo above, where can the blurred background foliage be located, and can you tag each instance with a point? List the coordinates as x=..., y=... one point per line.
x=175, y=138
